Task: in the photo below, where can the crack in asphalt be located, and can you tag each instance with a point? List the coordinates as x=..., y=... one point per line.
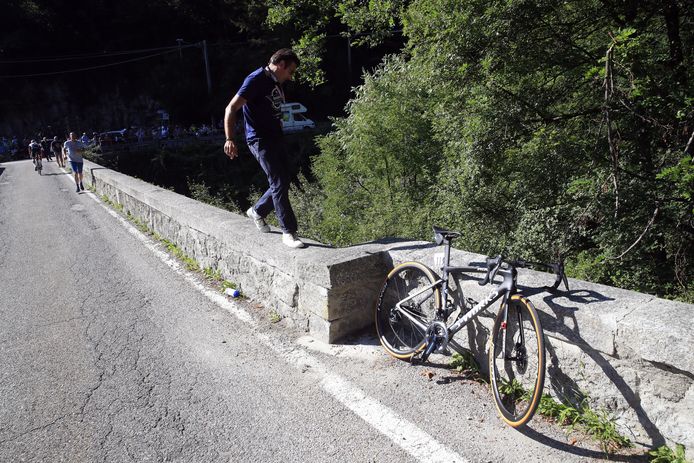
x=32, y=430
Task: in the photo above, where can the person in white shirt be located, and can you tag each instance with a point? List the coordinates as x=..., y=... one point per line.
x=74, y=148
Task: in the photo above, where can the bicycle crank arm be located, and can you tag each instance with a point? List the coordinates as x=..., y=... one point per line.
x=437, y=339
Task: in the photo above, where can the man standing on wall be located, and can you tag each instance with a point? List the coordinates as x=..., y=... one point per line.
x=73, y=149
x=261, y=96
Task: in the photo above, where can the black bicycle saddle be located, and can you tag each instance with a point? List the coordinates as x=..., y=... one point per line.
x=440, y=235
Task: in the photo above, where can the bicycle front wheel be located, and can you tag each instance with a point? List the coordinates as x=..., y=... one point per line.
x=517, y=361
x=409, y=301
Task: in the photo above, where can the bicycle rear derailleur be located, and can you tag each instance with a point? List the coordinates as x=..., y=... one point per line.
x=436, y=339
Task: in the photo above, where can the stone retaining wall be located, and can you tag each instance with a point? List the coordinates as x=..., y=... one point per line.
x=627, y=352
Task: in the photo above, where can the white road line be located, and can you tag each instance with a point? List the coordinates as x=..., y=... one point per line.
x=402, y=432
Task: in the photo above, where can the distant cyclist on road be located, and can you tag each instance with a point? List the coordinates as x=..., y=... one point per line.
x=35, y=153
x=57, y=149
x=74, y=149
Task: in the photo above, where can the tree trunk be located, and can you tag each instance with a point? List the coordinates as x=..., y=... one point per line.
x=672, y=21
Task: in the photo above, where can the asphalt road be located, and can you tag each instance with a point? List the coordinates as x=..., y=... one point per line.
x=109, y=352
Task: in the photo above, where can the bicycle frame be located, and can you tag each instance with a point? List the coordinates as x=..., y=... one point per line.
x=428, y=317
x=504, y=290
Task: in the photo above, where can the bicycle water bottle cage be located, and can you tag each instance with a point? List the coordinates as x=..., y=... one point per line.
x=441, y=235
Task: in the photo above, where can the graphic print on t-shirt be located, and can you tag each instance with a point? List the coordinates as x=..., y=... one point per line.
x=276, y=98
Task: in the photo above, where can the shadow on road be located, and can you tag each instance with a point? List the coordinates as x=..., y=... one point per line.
x=575, y=450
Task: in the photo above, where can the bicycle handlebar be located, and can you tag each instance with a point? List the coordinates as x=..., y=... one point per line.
x=494, y=264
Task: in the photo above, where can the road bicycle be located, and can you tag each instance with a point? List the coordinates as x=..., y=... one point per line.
x=414, y=306
x=38, y=164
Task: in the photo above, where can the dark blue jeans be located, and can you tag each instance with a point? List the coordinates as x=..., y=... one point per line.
x=272, y=156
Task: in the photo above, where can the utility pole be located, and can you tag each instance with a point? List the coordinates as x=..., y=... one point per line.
x=180, y=54
x=203, y=45
x=207, y=73
x=207, y=67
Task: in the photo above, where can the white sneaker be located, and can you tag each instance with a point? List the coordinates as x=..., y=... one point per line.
x=259, y=221
x=290, y=239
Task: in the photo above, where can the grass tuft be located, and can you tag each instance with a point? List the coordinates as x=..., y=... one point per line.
x=665, y=454
x=212, y=274
x=466, y=364
x=274, y=316
x=189, y=263
x=596, y=423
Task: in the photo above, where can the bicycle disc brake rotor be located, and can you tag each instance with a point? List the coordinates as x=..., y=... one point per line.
x=521, y=356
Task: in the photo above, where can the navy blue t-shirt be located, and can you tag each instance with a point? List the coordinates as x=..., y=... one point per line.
x=262, y=112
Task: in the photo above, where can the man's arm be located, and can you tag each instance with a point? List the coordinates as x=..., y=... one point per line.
x=232, y=108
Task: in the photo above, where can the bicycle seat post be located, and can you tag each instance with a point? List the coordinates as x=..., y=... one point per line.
x=446, y=255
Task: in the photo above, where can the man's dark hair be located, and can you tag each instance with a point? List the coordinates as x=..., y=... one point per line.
x=285, y=54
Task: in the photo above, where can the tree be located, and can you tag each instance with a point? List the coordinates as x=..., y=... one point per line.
x=558, y=129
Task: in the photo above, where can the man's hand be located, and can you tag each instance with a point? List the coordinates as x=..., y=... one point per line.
x=230, y=149
x=232, y=108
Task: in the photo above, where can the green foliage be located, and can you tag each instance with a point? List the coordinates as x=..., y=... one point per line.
x=665, y=454
x=364, y=23
x=138, y=223
x=227, y=284
x=513, y=389
x=307, y=201
x=377, y=167
x=682, y=178
x=373, y=21
x=494, y=121
x=596, y=423
x=201, y=192
x=188, y=262
x=601, y=426
x=549, y=407
x=274, y=316
x=465, y=363
x=213, y=274
x=308, y=48
x=538, y=129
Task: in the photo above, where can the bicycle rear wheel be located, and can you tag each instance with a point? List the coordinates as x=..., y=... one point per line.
x=517, y=361
x=402, y=331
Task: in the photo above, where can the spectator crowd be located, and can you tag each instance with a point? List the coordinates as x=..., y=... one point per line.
x=15, y=147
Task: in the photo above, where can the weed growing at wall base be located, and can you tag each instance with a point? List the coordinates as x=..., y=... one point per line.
x=189, y=262
x=665, y=454
x=596, y=423
x=274, y=316
x=212, y=274
x=465, y=363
